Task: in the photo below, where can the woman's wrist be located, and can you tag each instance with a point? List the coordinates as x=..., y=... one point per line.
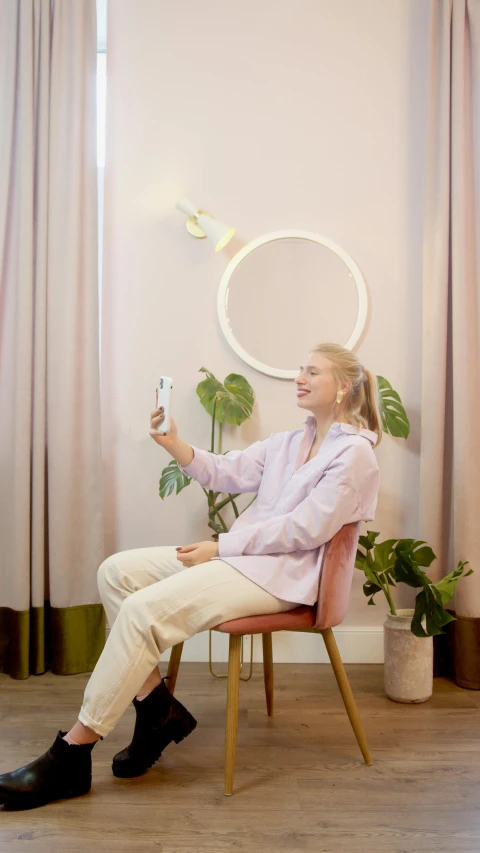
x=181, y=451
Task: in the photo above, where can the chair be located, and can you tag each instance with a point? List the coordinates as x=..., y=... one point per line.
x=330, y=610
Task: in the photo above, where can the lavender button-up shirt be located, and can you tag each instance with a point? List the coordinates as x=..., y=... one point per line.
x=279, y=541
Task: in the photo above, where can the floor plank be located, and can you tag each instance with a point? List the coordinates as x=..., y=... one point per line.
x=300, y=783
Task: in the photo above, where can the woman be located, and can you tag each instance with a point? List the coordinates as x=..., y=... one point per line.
x=310, y=482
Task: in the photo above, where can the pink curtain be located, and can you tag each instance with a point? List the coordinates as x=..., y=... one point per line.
x=51, y=525
x=450, y=443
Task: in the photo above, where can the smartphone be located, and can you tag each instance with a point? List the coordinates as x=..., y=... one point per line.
x=164, y=398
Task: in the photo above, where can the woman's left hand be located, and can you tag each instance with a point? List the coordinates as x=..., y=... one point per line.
x=199, y=552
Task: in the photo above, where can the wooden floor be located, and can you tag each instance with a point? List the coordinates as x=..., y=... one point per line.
x=300, y=781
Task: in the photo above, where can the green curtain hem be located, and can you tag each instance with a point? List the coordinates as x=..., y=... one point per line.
x=67, y=640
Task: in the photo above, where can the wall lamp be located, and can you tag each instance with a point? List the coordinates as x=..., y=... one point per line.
x=200, y=224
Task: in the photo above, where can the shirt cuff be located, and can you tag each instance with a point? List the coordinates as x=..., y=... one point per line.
x=229, y=545
x=197, y=466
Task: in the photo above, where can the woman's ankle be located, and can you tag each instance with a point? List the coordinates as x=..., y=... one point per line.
x=153, y=680
x=80, y=735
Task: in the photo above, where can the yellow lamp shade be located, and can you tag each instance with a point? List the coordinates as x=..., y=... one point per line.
x=217, y=232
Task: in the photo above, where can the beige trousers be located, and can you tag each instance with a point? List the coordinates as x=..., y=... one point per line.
x=152, y=603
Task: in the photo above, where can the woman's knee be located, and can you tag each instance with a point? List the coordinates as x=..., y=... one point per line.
x=136, y=610
x=107, y=575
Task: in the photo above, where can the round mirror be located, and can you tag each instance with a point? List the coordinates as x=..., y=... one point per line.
x=286, y=292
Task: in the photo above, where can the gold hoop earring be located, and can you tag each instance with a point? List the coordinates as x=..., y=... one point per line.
x=339, y=396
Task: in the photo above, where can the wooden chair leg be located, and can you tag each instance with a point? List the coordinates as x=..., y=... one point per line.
x=268, y=671
x=173, y=665
x=346, y=692
x=233, y=686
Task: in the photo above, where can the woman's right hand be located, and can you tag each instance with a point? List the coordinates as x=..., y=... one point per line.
x=156, y=419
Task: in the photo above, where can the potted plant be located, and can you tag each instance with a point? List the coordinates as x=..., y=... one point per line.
x=408, y=644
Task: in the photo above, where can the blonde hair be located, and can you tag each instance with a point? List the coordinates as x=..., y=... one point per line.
x=362, y=401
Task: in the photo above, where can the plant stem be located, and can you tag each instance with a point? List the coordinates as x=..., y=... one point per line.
x=234, y=505
x=213, y=508
x=225, y=528
x=386, y=589
x=212, y=443
x=220, y=430
x=227, y=500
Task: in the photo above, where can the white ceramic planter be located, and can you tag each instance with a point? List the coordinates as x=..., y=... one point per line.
x=408, y=667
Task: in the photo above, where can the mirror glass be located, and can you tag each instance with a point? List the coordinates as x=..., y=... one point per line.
x=288, y=295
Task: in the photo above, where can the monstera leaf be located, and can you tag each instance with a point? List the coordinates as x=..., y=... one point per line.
x=446, y=587
x=172, y=477
x=407, y=569
x=394, y=416
x=232, y=401
x=430, y=611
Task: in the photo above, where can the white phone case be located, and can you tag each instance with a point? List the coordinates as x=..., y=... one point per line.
x=165, y=386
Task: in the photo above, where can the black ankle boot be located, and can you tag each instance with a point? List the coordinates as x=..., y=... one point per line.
x=62, y=772
x=160, y=719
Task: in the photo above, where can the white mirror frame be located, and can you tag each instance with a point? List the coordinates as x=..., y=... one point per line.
x=269, y=238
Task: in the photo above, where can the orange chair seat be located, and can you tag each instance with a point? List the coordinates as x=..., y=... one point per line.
x=299, y=619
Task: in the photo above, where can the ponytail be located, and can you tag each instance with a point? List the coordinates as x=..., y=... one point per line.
x=370, y=407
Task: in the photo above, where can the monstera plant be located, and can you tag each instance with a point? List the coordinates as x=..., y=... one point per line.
x=232, y=403
x=408, y=633
x=403, y=561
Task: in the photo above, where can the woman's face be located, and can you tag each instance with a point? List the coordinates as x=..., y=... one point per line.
x=316, y=386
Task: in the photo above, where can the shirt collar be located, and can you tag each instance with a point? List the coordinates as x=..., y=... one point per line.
x=337, y=427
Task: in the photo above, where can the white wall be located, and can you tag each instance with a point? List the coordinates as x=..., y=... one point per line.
x=272, y=115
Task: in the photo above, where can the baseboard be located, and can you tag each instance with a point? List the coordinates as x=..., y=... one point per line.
x=356, y=645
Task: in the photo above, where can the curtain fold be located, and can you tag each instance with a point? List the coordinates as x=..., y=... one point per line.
x=51, y=525
x=450, y=443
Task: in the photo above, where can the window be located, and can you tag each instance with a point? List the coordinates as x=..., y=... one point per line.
x=101, y=122
x=101, y=106
x=101, y=126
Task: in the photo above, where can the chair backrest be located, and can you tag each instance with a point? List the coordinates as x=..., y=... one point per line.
x=336, y=576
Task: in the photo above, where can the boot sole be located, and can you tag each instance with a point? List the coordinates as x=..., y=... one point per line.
x=13, y=802
x=130, y=769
